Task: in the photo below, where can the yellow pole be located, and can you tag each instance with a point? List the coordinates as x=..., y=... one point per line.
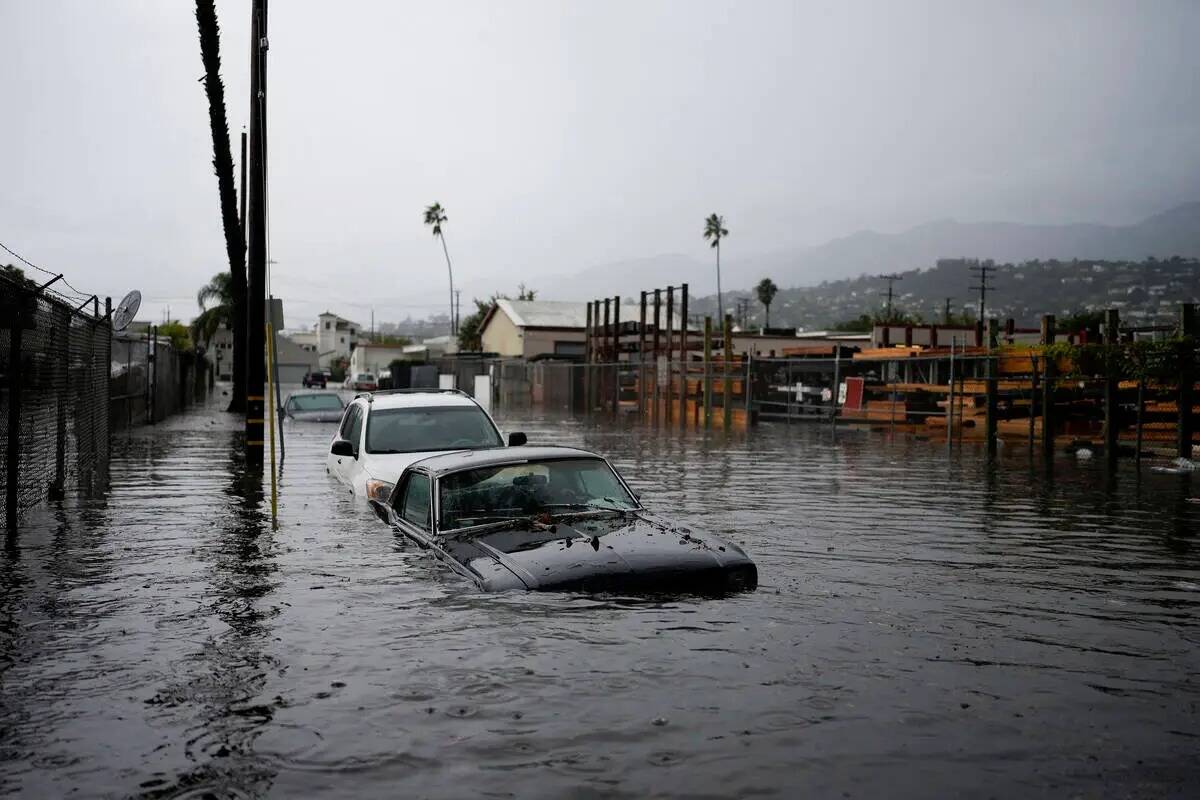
x=271, y=377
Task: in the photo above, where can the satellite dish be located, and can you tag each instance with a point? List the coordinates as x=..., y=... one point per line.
x=123, y=314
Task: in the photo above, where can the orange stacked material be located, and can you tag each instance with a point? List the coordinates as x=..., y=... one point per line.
x=1019, y=361
x=968, y=413
x=888, y=353
x=878, y=411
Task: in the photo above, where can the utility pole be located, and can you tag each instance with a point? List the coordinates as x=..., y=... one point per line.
x=242, y=217
x=256, y=229
x=743, y=307
x=891, y=278
x=946, y=314
x=457, y=309
x=983, y=270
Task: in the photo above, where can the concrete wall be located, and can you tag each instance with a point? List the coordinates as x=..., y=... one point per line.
x=374, y=358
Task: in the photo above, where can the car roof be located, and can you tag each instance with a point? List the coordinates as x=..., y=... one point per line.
x=418, y=399
x=472, y=459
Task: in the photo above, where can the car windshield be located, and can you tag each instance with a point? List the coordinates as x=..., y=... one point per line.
x=316, y=402
x=420, y=429
x=493, y=494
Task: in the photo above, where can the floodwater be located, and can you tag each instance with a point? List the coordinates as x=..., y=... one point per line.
x=926, y=625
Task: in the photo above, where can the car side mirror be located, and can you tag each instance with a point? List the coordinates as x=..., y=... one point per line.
x=380, y=510
x=342, y=447
x=517, y=439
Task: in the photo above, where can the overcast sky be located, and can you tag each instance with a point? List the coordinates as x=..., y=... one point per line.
x=561, y=135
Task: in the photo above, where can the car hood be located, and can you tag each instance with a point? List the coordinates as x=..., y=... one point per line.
x=635, y=552
x=389, y=466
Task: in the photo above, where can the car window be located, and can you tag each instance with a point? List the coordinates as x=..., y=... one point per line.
x=421, y=429
x=347, y=421
x=415, y=505
x=316, y=402
x=356, y=425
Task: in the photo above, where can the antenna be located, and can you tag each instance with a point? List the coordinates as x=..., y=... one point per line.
x=983, y=269
x=123, y=315
x=891, y=278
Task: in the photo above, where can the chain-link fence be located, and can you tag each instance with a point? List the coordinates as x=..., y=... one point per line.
x=54, y=377
x=151, y=380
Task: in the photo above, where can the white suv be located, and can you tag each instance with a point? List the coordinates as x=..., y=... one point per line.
x=381, y=433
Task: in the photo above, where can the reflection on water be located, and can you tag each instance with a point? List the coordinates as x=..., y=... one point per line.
x=927, y=624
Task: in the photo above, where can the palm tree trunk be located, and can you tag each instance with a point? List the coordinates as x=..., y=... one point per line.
x=210, y=54
x=720, y=299
x=767, y=306
x=450, y=270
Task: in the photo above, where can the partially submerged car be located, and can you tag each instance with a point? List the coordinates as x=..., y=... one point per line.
x=553, y=518
x=313, y=407
x=383, y=432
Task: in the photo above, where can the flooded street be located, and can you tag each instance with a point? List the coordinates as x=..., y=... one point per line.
x=925, y=625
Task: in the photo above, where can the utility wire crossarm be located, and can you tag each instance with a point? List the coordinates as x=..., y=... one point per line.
x=891, y=278
x=983, y=270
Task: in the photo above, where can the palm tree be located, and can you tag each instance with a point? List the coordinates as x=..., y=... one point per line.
x=435, y=215
x=714, y=231
x=235, y=237
x=766, y=290
x=220, y=289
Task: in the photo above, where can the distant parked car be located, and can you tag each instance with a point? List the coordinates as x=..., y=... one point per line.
x=314, y=407
x=384, y=432
x=362, y=382
x=314, y=379
x=557, y=519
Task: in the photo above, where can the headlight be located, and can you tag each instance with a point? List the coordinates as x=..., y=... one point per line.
x=379, y=490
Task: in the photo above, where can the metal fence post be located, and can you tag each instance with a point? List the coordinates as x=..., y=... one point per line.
x=1187, y=377
x=153, y=374
x=1048, y=370
x=671, y=377
x=992, y=388
x=727, y=388
x=746, y=386
x=13, y=457
x=62, y=327
x=1111, y=342
x=950, y=402
x=683, y=354
x=837, y=381
x=708, y=372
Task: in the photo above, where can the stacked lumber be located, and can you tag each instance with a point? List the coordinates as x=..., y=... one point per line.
x=878, y=411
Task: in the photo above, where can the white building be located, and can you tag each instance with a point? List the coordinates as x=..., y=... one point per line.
x=336, y=338
x=374, y=358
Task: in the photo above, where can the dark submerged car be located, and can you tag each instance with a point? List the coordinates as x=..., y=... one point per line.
x=553, y=518
x=313, y=407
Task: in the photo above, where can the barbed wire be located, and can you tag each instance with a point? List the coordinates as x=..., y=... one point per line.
x=51, y=291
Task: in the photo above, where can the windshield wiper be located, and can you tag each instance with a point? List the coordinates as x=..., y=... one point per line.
x=499, y=525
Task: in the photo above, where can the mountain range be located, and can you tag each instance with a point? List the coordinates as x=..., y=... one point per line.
x=1173, y=232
